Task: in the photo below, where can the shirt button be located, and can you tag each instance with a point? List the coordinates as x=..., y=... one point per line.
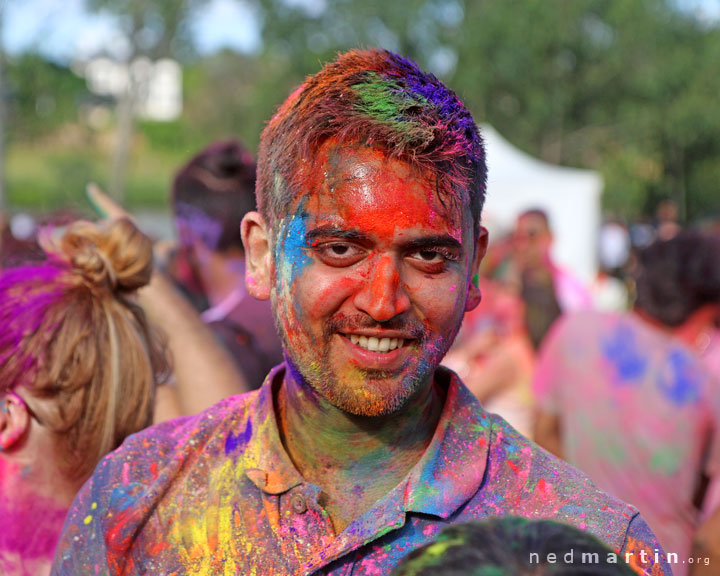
x=297, y=502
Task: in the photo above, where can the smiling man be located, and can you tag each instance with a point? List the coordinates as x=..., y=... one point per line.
x=359, y=448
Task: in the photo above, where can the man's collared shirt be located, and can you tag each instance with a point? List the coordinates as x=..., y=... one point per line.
x=217, y=494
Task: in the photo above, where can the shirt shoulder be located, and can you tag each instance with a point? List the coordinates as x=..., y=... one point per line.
x=536, y=484
x=172, y=443
x=129, y=483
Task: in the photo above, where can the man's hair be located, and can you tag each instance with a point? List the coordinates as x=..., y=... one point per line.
x=76, y=342
x=678, y=276
x=512, y=546
x=212, y=193
x=378, y=99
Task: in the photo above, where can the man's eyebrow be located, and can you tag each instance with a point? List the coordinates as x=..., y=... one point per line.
x=423, y=242
x=443, y=240
x=334, y=231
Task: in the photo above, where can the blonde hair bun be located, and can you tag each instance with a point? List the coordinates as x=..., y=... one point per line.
x=115, y=255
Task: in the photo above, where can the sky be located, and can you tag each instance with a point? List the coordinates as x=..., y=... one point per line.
x=64, y=31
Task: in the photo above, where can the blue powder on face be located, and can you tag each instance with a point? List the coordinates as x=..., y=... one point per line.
x=290, y=254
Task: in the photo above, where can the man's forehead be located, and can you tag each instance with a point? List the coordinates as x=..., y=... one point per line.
x=362, y=187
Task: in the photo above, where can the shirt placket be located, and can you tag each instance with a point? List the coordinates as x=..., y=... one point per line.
x=302, y=527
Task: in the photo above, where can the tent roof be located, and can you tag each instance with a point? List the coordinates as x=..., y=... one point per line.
x=570, y=196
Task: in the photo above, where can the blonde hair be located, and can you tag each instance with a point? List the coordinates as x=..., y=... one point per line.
x=74, y=336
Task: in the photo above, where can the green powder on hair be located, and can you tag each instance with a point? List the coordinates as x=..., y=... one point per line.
x=388, y=102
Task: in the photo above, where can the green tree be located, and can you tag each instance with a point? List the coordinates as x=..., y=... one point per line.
x=620, y=86
x=154, y=29
x=623, y=86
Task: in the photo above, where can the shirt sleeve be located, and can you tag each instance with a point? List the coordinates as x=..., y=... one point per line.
x=642, y=551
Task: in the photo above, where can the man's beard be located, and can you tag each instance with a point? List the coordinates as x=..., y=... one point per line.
x=362, y=391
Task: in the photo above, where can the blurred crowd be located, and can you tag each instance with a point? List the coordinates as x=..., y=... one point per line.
x=601, y=373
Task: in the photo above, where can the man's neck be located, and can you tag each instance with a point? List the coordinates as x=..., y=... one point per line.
x=694, y=331
x=698, y=328
x=354, y=460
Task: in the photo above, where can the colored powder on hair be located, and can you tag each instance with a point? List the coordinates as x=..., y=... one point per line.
x=387, y=102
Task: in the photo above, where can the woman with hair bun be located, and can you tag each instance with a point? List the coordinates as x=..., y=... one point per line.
x=78, y=369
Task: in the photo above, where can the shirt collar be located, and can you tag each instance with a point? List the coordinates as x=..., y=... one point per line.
x=448, y=474
x=266, y=463
x=220, y=311
x=452, y=468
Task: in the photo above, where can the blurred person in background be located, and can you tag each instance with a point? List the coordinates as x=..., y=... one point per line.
x=493, y=355
x=628, y=399
x=609, y=289
x=203, y=370
x=667, y=222
x=210, y=196
x=547, y=289
x=78, y=370
x=512, y=546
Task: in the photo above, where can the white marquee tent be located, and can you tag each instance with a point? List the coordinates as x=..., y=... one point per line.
x=570, y=196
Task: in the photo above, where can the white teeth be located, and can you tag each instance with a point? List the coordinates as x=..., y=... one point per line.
x=377, y=344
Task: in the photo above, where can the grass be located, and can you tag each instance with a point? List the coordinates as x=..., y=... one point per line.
x=48, y=178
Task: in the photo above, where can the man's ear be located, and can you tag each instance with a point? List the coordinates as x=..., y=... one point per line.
x=473, y=290
x=258, y=259
x=14, y=420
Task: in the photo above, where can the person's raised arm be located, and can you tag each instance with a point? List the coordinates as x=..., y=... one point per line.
x=204, y=371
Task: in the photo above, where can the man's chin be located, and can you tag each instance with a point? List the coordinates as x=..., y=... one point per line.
x=374, y=394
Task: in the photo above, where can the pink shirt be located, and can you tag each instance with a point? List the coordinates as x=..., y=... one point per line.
x=637, y=413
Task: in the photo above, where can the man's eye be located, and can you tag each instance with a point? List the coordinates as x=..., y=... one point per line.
x=339, y=254
x=339, y=249
x=432, y=260
x=430, y=256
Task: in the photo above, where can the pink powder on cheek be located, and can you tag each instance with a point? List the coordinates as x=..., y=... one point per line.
x=30, y=524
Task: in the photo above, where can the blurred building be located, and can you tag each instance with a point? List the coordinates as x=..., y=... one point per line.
x=157, y=85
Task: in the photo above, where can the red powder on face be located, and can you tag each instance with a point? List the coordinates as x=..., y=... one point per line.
x=382, y=184
x=385, y=282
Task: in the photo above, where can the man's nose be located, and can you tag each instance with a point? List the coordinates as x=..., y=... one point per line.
x=383, y=294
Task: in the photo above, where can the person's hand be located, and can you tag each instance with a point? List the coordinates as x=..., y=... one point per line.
x=105, y=206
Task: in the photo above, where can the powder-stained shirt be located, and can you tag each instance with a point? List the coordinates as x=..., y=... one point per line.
x=639, y=415
x=216, y=494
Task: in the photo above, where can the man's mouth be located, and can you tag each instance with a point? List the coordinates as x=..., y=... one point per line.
x=374, y=344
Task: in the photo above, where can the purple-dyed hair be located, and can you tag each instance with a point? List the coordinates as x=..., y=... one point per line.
x=77, y=344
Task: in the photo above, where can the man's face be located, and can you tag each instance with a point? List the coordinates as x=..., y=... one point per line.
x=531, y=240
x=371, y=279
